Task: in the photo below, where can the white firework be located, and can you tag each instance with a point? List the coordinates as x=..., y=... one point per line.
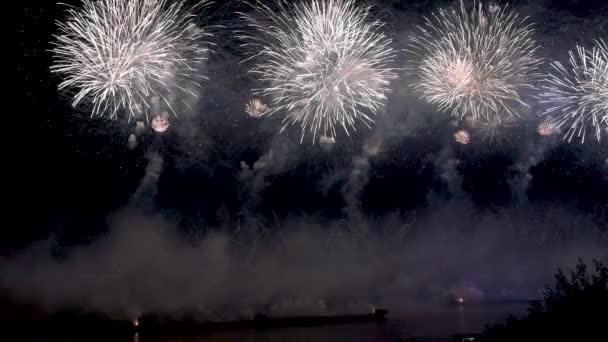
x=160, y=123
x=462, y=137
x=478, y=63
x=496, y=131
x=323, y=63
x=255, y=108
x=546, y=128
x=578, y=92
x=119, y=54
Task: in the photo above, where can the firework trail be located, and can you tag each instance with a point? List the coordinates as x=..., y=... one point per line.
x=578, y=92
x=325, y=66
x=119, y=54
x=476, y=63
x=148, y=187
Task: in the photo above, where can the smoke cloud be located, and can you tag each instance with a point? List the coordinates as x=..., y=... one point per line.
x=144, y=265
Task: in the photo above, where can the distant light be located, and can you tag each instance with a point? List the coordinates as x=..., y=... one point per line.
x=135, y=322
x=460, y=300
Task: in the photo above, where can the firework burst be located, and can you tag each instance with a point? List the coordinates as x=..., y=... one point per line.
x=324, y=64
x=255, y=108
x=496, y=131
x=477, y=62
x=578, y=92
x=161, y=123
x=119, y=54
x=546, y=128
x=462, y=137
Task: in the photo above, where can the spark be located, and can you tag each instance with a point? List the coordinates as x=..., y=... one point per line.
x=462, y=137
x=476, y=63
x=255, y=108
x=324, y=63
x=118, y=54
x=578, y=92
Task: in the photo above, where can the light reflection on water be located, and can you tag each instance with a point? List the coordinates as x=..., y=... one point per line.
x=460, y=319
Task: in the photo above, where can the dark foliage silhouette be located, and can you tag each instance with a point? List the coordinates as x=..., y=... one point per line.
x=574, y=310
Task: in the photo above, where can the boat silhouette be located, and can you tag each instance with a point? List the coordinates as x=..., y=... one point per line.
x=162, y=325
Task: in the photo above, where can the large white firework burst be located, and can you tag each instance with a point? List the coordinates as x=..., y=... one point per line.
x=323, y=63
x=475, y=62
x=578, y=92
x=119, y=54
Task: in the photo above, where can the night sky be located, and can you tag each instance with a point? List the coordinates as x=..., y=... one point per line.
x=75, y=171
x=74, y=174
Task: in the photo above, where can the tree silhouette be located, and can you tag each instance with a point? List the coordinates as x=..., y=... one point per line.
x=574, y=310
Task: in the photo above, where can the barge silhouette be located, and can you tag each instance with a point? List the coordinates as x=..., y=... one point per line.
x=70, y=324
x=160, y=325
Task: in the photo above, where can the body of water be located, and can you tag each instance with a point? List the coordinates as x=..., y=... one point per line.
x=433, y=325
